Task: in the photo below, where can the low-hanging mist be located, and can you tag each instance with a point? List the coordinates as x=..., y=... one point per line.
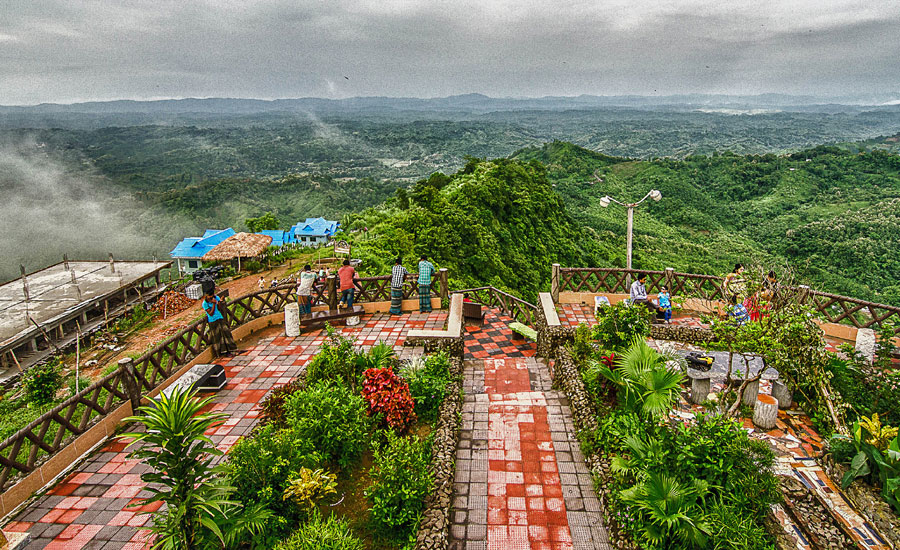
x=53, y=205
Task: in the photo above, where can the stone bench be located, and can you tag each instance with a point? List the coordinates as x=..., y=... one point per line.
x=205, y=377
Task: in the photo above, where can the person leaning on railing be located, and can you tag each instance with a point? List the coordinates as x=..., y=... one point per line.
x=219, y=332
x=398, y=275
x=304, y=289
x=426, y=272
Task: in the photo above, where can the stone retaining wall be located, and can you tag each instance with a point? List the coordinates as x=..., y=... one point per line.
x=687, y=335
x=567, y=379
x=551, y=338
x=868, y=502
x=434, y=526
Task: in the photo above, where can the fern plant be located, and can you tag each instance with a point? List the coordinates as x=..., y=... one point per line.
x=672, y=511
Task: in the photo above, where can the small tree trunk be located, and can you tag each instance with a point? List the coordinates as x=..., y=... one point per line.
x=765, y=413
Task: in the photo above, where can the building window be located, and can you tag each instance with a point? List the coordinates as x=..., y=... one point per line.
x=192, y=264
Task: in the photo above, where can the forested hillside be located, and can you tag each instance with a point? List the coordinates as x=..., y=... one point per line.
x=829, y=213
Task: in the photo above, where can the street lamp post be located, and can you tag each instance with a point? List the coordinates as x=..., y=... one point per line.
x=629, y=207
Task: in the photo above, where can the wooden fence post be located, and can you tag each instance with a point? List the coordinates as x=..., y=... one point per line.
x=331, y=288
x=554, y=283
x=131, y=383
x=445, y=288
x=670, y=279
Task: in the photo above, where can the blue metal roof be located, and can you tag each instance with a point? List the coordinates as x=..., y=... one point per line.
x=279, y=237
x=316, y=227
x=196, y=247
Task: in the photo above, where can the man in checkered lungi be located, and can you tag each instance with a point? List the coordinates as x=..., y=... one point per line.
x=426, y=271
x=398, y=274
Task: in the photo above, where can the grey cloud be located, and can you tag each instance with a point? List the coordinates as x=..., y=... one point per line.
x=62, y=50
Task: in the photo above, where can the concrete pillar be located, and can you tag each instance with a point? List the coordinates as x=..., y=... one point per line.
x=112, y=263
x=699, y=390
x=865, y=343
x=554, y=283
x=292, y=320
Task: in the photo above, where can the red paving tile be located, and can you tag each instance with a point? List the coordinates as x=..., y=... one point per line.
x=521, y=513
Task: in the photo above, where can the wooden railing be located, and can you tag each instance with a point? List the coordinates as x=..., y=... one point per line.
x=488, y=296
x=28, y=448
x=832, y=307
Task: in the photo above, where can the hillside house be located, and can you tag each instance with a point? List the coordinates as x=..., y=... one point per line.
x=279, y=237
x=314, y=231
x=190, y=251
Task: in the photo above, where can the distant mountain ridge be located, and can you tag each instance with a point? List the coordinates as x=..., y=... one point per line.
x=473, y=102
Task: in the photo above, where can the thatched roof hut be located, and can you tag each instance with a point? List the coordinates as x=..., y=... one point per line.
x=239, y=245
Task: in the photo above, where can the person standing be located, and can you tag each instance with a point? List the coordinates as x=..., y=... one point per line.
x=398, y=275
x=219, y=332
x=304, y=289
x=734, y=282
x=426, y=272
x=346, y=274
x=262, y=283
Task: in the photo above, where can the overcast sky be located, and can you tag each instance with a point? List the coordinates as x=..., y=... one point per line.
x=78, y=50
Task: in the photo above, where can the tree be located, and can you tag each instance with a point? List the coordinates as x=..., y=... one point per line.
x=199, y=514
x=264, y=222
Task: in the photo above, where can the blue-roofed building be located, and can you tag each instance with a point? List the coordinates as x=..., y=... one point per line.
x=188, y=253
x=314, y=231
x=279, y=237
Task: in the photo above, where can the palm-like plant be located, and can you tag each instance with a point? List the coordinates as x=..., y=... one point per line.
x=198, y=513
x=646, y=384
x=674, y=519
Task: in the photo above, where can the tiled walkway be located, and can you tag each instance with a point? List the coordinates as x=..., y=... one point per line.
x=521, y=480
x=91, y=509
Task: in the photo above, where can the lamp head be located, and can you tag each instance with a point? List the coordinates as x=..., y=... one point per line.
x=604, y=201
x=655, y=195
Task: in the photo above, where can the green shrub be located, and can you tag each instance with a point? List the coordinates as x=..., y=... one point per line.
x=322, y=534
x=401, y=480
x=41, y=383
x=842, y=448
x=332, y=419
x=729, y=528
x=83, y=382
x=272, y=407
x=337, y=361
x=619, y=324
x=252, y=266
x=866, y=388
x=262, y=467
x=428, y=381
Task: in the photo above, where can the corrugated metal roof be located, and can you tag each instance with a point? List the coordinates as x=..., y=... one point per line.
x=196, y=247
x=279, y=238
x=315, y=227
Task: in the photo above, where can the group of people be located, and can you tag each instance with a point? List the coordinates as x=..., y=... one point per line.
x=742, y=308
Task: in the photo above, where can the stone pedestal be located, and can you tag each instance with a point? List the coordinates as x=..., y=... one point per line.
x=783, y=394
x=13, y=540
x=352, y=321
x=292, y=320
x=865, y=343
x=750, y=393
x=765, y=413
x=700, y=384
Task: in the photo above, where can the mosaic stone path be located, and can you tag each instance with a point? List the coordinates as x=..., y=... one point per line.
x=92, y=508
x=521, y=482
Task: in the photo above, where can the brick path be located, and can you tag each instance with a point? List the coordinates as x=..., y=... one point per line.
x=521, y=482
x=90, y=509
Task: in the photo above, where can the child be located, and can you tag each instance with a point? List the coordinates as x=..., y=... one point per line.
x=737, y=314
x=665, y=303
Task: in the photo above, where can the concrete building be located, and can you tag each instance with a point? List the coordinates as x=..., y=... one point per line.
x=189, y=252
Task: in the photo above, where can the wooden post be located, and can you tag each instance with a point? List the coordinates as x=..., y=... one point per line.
x=803, y=294
x=445, y=288
x=670, y=279
x=554, y=283
x=751, y=391
x=331, y=288
x=131, y=383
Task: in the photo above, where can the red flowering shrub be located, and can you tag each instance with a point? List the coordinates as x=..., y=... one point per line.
x=387, y=394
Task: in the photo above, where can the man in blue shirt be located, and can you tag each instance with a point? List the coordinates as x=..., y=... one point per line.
x=219, y=333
